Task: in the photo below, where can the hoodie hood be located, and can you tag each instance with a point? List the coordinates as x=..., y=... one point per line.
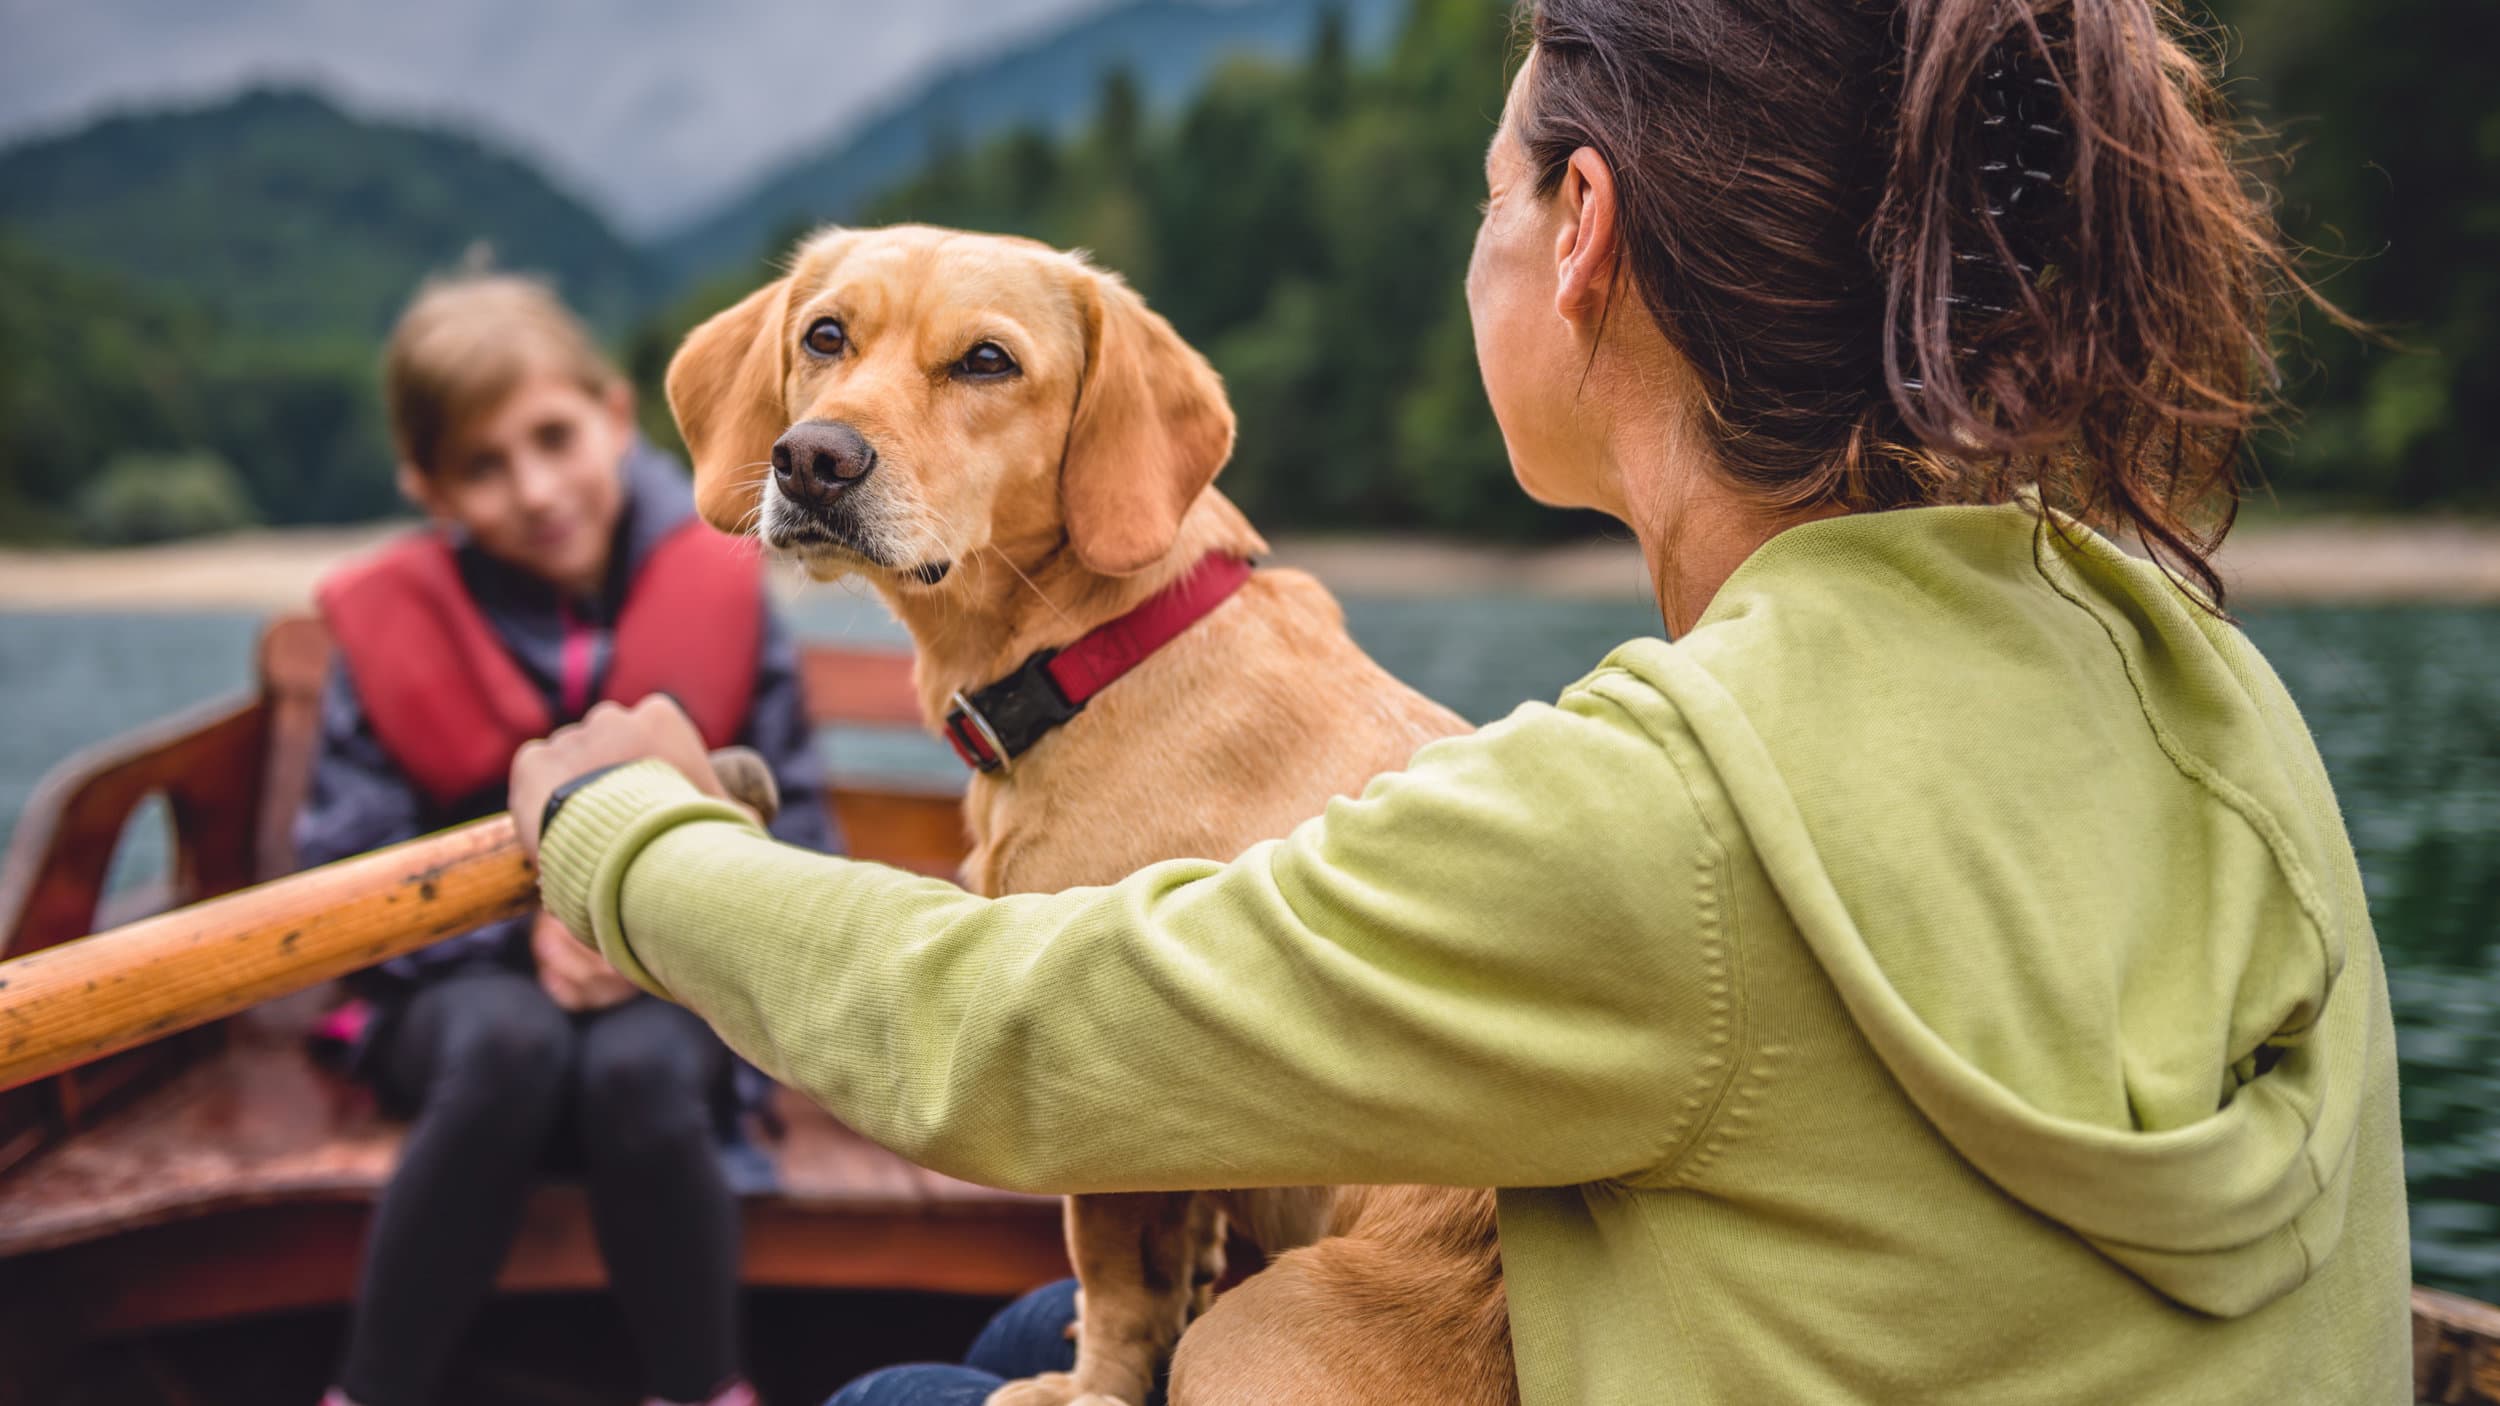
x=2108, y=961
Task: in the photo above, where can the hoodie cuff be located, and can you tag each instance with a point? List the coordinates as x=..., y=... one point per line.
x=583, y=857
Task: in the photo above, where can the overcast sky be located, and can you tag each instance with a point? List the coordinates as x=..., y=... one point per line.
x=649, y=108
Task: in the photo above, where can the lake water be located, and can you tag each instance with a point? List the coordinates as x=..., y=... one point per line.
x=2405, y=702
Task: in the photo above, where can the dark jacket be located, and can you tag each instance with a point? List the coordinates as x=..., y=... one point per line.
x=359, y=799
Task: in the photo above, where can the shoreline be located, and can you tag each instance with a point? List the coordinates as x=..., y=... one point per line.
x=2349, y=560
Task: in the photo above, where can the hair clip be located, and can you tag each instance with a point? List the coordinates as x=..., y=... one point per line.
x=2024, y=152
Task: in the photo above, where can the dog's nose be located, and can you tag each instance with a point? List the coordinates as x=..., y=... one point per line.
x=814, y=460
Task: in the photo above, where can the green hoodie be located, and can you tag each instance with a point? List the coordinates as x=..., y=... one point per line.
x=1942, y=976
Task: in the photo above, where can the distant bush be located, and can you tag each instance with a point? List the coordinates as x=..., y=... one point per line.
x=159, y=497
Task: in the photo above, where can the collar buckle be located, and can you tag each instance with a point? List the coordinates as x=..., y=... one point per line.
x=974, y=739
x=988, y=727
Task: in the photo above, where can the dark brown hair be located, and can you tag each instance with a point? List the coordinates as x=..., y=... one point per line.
x=1931, y=251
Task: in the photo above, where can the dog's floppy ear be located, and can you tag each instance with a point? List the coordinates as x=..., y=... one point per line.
x=725, y=388
x=1151, y=429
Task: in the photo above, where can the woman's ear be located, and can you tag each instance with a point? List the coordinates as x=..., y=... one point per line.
x=725, y=388
x=1151, y=429
x=1586, y=252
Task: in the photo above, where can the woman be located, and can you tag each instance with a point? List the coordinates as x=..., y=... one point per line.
x=1941, y=975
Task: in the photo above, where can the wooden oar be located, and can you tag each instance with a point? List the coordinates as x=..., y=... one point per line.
x=82, y=1000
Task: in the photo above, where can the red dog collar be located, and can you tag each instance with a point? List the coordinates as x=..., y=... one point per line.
x=997, y=724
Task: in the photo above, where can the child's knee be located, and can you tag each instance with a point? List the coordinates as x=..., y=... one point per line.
x=522, y=1041
x=642, y=1095
x=511, y=1054
x=646, y=1078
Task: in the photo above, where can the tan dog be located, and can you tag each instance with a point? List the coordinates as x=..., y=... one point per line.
x=1014, y=450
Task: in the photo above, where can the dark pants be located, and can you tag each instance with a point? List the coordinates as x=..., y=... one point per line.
x=494, y=1068
x=1028, y=1337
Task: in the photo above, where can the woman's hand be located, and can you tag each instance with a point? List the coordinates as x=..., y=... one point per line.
x=609, y=735
x=574, y=976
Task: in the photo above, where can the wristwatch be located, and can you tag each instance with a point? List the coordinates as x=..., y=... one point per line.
x=557, y=797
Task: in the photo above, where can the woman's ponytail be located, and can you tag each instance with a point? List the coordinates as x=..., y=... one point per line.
x=2077, y=273
x=1930, y=251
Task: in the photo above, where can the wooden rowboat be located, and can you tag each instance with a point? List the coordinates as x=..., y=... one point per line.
x=215, y=1177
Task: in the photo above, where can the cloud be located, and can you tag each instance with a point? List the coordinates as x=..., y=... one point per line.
x=649, y=108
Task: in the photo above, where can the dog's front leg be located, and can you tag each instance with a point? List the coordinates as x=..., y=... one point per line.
x=1137, y=1257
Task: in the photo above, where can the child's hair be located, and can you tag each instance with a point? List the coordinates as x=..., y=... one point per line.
x=1925, y=251
x=469, y=340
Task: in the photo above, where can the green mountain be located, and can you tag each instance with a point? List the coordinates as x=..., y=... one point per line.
x=281, y=213
x=1169, y=45
x=105, y=379
x=209, y=284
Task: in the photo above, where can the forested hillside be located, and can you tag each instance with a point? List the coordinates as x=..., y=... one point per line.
x=2392, y=137
x=193, y=298
x=101, y=378
x=191, y=302
x=1309, y=226
x=282, y=213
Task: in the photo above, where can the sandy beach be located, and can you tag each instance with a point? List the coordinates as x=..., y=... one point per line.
x=2323, y=559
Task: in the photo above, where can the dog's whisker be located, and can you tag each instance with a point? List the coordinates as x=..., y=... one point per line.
x=1038, y=593
x=751, y=522
x=752, y=519
x=923, y=523
x=963, y=605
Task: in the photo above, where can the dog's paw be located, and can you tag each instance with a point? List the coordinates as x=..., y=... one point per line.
x=1051, y=1389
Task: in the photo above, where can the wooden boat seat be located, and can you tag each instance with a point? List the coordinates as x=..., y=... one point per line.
x=207, y=1178
x=253, y=1153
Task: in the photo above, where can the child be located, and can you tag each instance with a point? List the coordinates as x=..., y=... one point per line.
x=564, y=566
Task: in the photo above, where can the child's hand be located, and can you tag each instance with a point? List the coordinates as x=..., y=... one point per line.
x=609, y=735
x=574, y=976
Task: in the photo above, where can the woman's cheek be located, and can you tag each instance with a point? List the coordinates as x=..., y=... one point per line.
x=1485, y=318
x=1506, y=359
x=1503, y=302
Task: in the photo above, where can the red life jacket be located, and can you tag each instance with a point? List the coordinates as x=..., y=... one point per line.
x=450, y=705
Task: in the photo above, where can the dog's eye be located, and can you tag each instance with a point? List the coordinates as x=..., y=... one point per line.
x=825, y=337
x=986, y=362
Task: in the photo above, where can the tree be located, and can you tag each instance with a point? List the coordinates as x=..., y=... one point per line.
x=160, y=497
x=1119, y=125
x=1328, y=79
x=2393, y=181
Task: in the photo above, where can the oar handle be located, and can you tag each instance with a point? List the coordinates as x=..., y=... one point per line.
x=88, y=998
